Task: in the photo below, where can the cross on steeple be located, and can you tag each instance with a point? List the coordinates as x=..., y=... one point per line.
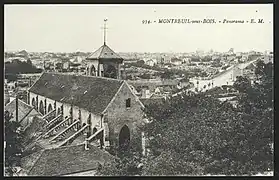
x=105, y=28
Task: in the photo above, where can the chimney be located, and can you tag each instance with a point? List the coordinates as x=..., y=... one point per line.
x=86, y=144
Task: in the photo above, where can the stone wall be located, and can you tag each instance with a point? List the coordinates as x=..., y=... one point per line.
x=119, y=115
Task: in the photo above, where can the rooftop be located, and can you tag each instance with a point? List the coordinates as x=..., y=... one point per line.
x=104, y=52
x=88, y=92
x=23, y=109
x=64, y=160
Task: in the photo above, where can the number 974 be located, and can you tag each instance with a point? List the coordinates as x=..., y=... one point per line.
x=146, y=21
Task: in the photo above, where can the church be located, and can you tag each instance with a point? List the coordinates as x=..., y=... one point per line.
x=97, y=108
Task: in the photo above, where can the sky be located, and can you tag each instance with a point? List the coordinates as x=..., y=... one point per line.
x=71, y=28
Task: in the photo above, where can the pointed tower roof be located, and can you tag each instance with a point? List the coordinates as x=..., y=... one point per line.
x=104, y=52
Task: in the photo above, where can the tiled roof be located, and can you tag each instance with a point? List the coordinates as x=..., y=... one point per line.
x=104, y=52
x=88, y=92
x=64, y=160
x=23, y=109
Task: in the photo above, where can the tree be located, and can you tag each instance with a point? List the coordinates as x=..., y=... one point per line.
x=140, y=62
x=202, y=133
x=127, y=162
x=17, y=67
x=242, y=84
x=145, y=76
x=29, y=61
x=13, y=138
x=125, y=165
x=167, y=74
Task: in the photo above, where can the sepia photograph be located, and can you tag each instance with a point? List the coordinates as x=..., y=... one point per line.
x=138, y=90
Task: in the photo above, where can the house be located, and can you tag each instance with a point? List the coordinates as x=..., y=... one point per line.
x=244, y=58
x=157, y=90
x=150, y=62
x=145, y=93
x=166, y=59
x=268, y=58
x=73, y=160
x=186, y=60
x=176, y=62
x=251, y=67
x=66, y=65
x=26, y=113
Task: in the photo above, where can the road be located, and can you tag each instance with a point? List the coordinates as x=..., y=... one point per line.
x=223, y=78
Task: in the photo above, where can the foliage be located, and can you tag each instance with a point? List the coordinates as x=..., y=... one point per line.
x=167, y=74
x=140, y=62
x=125, y=164
x=11, y=77
x=201, y=132
x=145, y=66
x=242, y=84
x=195, y=135
x=17, y=67
x=145, y=76
x=13, y=138
x=206, y=59
x=195, y=59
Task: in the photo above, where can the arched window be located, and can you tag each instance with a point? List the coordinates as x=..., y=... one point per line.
x=110, y=71
x=41, y=108
x=124, y=138
x=58, y=111
x=93, y=71
x=33, y=102
x=49, y=108
x=79, y=114
x=87, y=70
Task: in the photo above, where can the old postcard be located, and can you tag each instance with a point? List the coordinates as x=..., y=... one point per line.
x=138, y=90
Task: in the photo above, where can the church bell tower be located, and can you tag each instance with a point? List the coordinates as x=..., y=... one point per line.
x=104, y=61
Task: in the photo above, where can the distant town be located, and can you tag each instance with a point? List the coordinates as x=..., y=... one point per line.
x=152, y=74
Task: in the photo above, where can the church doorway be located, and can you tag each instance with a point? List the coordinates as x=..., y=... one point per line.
x=49, y=108
x=41, y=108
x=124, y=138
